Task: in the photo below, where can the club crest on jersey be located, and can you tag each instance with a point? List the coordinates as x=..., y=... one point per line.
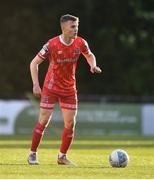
x=59, y=52
x=76, y=50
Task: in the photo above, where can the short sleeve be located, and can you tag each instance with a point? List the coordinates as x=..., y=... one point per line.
x=85, y=47
x=44, y=52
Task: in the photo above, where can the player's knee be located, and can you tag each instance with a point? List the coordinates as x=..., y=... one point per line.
x=44, y=118
x=44, y=122
x=70, y=124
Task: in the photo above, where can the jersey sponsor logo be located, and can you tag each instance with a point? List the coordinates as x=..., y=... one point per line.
x=67, y=60
x=76, y=50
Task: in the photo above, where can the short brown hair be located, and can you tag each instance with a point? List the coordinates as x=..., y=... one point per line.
x=68, y=17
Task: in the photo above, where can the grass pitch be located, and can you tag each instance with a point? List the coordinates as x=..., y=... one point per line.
x=90, y=154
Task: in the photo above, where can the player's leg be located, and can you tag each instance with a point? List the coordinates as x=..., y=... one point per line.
x=68, y=131
x=47, y=103
x=69, y=110
x=44, y=118
x=67, y=135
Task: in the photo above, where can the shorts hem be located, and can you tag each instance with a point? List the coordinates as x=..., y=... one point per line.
x=46, y=108
x=68, y=108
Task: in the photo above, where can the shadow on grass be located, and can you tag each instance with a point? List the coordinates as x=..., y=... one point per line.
x=23, y=164
x=55, y=165
x=81, y=146
x=81, y=138
x=84, y=142
x=13, y=164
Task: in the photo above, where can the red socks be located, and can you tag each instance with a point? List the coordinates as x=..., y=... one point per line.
x=67, y=137
x=37, y=136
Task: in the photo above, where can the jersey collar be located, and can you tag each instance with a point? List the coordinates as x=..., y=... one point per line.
x=61, y=40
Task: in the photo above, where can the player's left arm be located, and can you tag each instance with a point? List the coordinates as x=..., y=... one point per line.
x=90, y=57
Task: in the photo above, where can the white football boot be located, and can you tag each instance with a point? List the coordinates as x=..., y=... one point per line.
x=32, y=159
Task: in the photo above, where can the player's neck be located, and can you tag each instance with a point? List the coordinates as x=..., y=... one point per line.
x=66, y=39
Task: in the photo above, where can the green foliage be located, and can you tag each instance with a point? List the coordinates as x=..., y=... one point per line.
x=120, y=33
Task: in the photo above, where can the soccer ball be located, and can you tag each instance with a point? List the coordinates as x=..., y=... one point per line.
x=118, y=158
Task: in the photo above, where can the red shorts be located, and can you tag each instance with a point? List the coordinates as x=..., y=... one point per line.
x=66, y=101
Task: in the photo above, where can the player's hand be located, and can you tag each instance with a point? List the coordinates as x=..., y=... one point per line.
x=36, y=90
x=95, y=69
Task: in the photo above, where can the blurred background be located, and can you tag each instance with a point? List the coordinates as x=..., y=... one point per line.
x=120, y=34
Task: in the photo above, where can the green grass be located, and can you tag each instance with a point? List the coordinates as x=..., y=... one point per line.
x=91, y=155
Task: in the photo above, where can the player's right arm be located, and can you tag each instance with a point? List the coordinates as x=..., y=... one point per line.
x=39, y=58
x=34, y=74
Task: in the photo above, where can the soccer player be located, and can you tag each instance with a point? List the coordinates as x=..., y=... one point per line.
x=62, y=53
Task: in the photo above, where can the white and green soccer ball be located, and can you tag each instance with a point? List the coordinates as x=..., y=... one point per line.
x=118, y=158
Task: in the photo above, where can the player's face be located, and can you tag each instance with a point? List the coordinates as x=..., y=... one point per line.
x=70, y=29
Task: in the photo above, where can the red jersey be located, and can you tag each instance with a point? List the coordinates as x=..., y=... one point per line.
x=62, y=58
